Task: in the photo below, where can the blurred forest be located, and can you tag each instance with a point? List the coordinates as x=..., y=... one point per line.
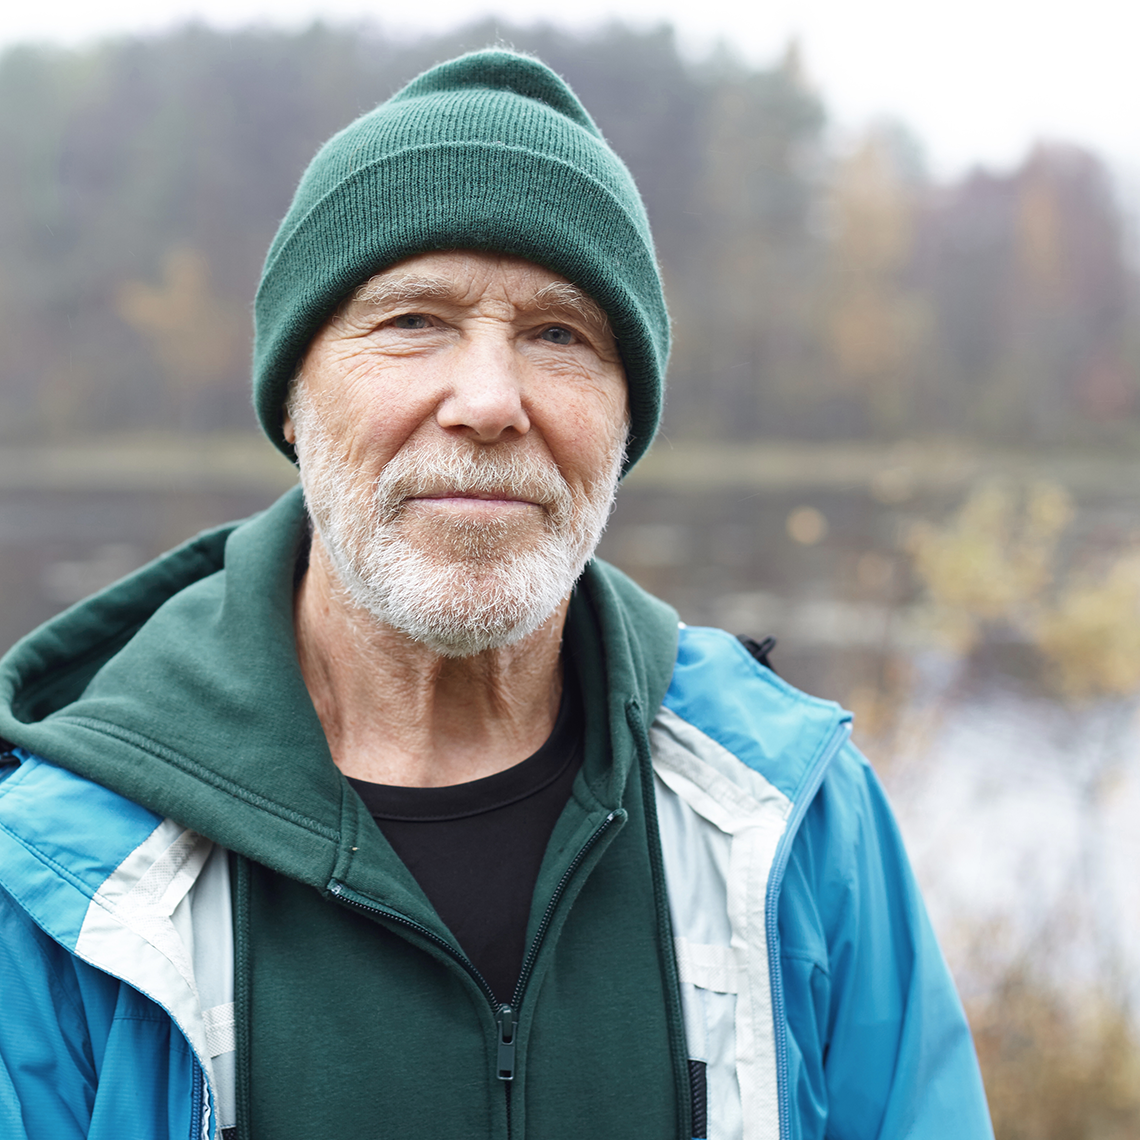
x=900, y=433
x=817, y=295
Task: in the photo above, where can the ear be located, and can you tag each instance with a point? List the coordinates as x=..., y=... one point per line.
x=288, y=430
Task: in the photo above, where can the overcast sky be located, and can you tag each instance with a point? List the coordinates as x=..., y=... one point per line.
x=977, y=80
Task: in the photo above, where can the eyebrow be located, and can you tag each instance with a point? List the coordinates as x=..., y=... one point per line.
x=382, y=290
x=563, y=295
x=406, y=288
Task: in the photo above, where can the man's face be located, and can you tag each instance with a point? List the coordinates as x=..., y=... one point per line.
x=460, y=425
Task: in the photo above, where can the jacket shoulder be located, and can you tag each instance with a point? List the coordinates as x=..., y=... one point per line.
x=721, y=691
x=61, y=837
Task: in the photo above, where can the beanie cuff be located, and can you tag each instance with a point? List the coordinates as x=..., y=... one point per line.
x=468, y=195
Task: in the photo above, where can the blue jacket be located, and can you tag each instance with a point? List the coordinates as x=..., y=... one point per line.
x=115, y=1018
x=814, y=1001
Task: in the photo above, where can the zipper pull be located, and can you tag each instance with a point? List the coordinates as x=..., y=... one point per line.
x=507, y=1026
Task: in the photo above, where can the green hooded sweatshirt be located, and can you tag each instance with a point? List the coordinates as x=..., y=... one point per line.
x=358, y=1015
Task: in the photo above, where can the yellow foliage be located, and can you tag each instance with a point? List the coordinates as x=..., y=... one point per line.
x=1091, y=638
x=196, y=337
x=993, y=561
x=872, y=211
x=876, y=325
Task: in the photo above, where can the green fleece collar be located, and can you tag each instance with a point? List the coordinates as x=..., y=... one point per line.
x=180, y=689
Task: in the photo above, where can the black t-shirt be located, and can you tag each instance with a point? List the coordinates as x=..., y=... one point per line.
x=475, y=849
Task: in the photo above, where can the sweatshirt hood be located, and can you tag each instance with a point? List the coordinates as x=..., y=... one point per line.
x=179, y=688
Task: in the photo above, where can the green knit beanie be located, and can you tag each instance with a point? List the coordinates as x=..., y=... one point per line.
x=490, y=151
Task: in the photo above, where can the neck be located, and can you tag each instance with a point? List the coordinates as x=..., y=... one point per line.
x=395, y=712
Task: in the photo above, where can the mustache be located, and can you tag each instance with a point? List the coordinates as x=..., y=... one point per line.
x=413, y=473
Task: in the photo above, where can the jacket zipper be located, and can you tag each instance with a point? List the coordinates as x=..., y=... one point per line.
x=548, y=913
x=505, y=1013
x=200, y=1106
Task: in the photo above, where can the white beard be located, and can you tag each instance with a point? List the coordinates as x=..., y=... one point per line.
x=467, y=585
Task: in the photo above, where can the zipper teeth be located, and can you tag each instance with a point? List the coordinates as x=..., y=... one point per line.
x=199, y=1107
x=338, y=890
x=205, y=1109
x=548, y=914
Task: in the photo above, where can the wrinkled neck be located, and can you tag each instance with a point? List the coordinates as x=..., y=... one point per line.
x=396, y=712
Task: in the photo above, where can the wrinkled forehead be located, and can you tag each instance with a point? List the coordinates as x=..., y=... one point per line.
x=467, y=276
x=497, y=283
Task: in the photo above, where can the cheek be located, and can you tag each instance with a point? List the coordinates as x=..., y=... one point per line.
x=607, y=416
x=585, y=435
x=373, y=435
x=373, y=413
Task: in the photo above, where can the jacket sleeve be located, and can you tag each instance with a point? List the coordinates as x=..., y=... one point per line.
x=47, y=1068
x=878, y=1045
x=83, y=1056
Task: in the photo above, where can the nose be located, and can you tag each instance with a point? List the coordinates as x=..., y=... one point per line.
x=484, y=399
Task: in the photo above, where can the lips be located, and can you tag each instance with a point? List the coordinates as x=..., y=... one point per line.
x=481, y=508
x=507, y=481
x=502, y=497
x=481, y=496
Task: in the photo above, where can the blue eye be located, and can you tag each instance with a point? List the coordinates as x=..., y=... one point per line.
x=411, y=321
x=556, y=334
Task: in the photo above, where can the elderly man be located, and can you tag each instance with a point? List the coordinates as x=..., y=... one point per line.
x=389, y=812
